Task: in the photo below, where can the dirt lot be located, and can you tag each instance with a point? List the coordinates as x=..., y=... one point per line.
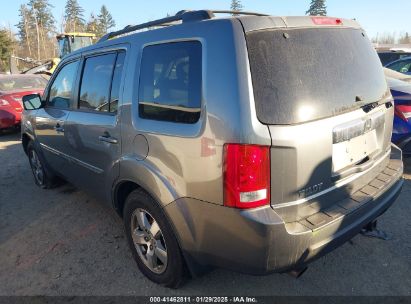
x=63, y=242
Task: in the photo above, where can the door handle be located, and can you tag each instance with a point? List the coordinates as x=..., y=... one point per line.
x=107, y=138
x=59, y=128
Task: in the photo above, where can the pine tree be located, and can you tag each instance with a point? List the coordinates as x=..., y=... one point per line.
x=42, y=23
x=236, y=6
x=317, y=8
x=92, y=24
x=41, y=10
x=74, y=16
x=24, y=28
x=6, y=47
x=105, y=21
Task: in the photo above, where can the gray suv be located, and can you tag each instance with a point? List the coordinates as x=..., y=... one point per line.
x=249, y=142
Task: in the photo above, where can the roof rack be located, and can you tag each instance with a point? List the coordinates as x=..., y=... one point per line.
x=184, y=16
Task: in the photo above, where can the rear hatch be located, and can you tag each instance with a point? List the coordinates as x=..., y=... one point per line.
x=321, y=90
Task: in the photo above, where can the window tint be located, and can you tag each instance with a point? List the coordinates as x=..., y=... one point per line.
x=170, y=82
x=115, y=85
x=62, y=87
x=95, y=83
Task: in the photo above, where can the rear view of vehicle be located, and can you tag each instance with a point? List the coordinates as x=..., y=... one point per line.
x=319, y=87
x=12, y=89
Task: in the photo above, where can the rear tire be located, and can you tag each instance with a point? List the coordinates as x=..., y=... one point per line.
x=152, y=241
x=42, y=176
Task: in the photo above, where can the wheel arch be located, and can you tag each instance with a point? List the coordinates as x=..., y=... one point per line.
x=140, y=175
x=25, y=139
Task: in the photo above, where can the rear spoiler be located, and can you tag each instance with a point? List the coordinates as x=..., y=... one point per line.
x=252, y=23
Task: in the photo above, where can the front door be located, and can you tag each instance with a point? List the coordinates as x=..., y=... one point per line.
x=50, y=120
x=92, y=130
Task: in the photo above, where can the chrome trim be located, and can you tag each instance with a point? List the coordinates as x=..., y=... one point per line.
x=73, y=159
x=358, y=127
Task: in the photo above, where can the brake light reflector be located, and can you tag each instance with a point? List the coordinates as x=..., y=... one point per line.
x=246, y=176
x=326, y=21
x=403, y=112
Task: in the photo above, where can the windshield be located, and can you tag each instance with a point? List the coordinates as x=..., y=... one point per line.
x=75, y=44
x=301, y=75
x=80, y=42
x=22, y=83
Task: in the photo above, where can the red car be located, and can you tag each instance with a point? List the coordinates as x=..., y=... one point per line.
x=12, y=89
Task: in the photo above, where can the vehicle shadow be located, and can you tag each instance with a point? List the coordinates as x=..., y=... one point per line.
x=407, y=166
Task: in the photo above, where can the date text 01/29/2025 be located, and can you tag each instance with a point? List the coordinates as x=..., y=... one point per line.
x=203, y=299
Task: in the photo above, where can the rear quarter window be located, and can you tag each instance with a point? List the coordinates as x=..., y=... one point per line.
x=170, y=82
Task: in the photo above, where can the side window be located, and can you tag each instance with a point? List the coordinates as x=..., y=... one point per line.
x=401, y=66
x=115, y=85
x=170, y=82
x=60, y=95
x=95, y=82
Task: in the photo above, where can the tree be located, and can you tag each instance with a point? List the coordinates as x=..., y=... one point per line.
x=41, y=10
x=405, y=39
x=105, y=21
x=385, y=38
x=92, y=24
x=236, y=6
x=74, y=16
x=317, y=8
x=6, y=47
x=24, y=28
x=42, y=21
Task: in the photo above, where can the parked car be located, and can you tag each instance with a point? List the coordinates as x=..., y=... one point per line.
x=397, y=75
x=12, y=88
x=387, y=57
x=401, y=134
x=238, y=142
x=402, y=65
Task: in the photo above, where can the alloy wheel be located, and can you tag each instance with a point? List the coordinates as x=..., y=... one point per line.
x=36, y=167
x=149, y=241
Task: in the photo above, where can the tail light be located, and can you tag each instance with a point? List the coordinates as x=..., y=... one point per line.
x=326, y=21
x=403, y=112
x=4, y=103
x=246, y=176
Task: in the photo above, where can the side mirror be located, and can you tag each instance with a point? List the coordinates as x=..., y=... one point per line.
x=32, y=102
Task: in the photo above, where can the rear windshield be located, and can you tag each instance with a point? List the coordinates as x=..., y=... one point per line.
x=22, y=83
x=301, y=75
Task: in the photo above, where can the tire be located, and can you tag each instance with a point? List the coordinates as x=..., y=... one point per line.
x=42, y=176
x=148, y=248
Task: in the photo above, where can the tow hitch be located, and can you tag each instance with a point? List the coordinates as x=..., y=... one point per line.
x=370, y=230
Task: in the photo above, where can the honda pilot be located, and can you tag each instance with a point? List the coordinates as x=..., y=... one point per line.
x=250, y=142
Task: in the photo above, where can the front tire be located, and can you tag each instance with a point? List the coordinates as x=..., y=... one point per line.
x=152, y=242
x=42, y=177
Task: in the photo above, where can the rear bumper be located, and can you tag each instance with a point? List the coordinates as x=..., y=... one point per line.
x=259, y=241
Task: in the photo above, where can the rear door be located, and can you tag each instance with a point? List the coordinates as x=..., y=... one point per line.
x=50, y=120
x=322, y=92
x=92, y=129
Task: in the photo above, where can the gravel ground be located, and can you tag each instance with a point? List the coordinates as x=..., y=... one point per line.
x=64, y=242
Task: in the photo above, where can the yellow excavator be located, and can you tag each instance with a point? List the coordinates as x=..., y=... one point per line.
x=67, y=43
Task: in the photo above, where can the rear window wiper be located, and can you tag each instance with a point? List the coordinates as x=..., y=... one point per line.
x=370, y=106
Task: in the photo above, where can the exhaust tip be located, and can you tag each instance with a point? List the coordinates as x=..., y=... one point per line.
x=296, y=273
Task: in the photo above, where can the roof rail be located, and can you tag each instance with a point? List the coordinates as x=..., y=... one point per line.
x=184, y=16
x=237, y=13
